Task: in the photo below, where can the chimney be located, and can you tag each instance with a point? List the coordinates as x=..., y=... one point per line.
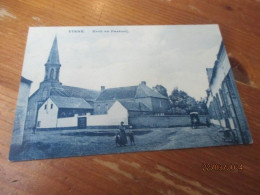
x=103, y=88
x=143, y=83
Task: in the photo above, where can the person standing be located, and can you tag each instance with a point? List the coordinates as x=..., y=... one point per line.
x=122, y=134
x=131, y=137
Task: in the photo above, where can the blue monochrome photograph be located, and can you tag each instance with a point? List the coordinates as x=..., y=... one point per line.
x=115, y=89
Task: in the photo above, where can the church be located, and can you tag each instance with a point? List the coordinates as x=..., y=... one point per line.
x=51, y=86
x=58, y=102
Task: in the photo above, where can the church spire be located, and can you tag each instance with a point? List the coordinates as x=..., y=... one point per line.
x=54, y=53
x=52, y=66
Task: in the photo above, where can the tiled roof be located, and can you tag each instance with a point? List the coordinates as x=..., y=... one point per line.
x=144, y=91
x=117, y=93
x=58, y=92
x=134, y=106
x=70, y=102
x=138, y=91
x=86, y=94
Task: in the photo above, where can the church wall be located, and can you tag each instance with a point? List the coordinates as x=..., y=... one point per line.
x=34, y=103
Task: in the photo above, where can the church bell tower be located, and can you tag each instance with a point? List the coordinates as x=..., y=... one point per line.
x=52, y=67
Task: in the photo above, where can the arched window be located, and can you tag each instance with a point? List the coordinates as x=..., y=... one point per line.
x=52, y=76
x=57, y=74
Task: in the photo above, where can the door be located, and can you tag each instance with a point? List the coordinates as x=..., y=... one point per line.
x=82, y=122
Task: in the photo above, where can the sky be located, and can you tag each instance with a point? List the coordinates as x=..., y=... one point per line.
x=118, y=56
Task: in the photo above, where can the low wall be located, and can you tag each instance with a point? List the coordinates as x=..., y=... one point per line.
x=105, y=120
x=163, y=121
x=67, y=122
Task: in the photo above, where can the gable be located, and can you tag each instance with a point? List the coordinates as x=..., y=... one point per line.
x=48, y=105
x=144, y=91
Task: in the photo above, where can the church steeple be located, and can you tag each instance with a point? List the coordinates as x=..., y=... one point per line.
x=52, y=66
x=54, y=53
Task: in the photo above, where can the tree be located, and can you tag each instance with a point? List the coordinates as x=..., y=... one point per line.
x=182, y=103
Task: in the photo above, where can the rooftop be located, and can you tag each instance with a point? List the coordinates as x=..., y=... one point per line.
x=134, y=106
x=131, y=92
x=70, y=102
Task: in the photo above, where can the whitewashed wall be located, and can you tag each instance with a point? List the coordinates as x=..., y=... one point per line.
x=48, y=117
x=68, y=122
x=221, y=73
x=114, y=116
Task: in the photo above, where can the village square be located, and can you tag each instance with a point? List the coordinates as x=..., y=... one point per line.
x=59, y=120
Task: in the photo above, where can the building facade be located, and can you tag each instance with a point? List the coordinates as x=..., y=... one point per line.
x=62, y=112
x=223, y=102
x=21, y=110
x=139, y=100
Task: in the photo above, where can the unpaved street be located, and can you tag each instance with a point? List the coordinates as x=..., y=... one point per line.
x=49, y=144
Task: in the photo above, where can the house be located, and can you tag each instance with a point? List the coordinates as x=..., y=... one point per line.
x=139, y=100
x=51, y=86
x=21, y=109
x=63, y=112
x=223, y=103
x=118, y=112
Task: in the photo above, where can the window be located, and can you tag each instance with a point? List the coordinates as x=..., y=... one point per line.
x=51, y=106
x=45, y=106
x=52, y=76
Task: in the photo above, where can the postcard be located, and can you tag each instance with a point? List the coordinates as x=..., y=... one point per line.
x=115, y=89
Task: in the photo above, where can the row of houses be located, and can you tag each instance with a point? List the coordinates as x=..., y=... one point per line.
x=223, y=102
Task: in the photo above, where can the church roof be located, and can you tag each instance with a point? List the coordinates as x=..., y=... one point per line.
x=134, y=106
x=139, y=91
x=78, y=92
x=68, y=91
x=70, y=102
x=54, y=53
